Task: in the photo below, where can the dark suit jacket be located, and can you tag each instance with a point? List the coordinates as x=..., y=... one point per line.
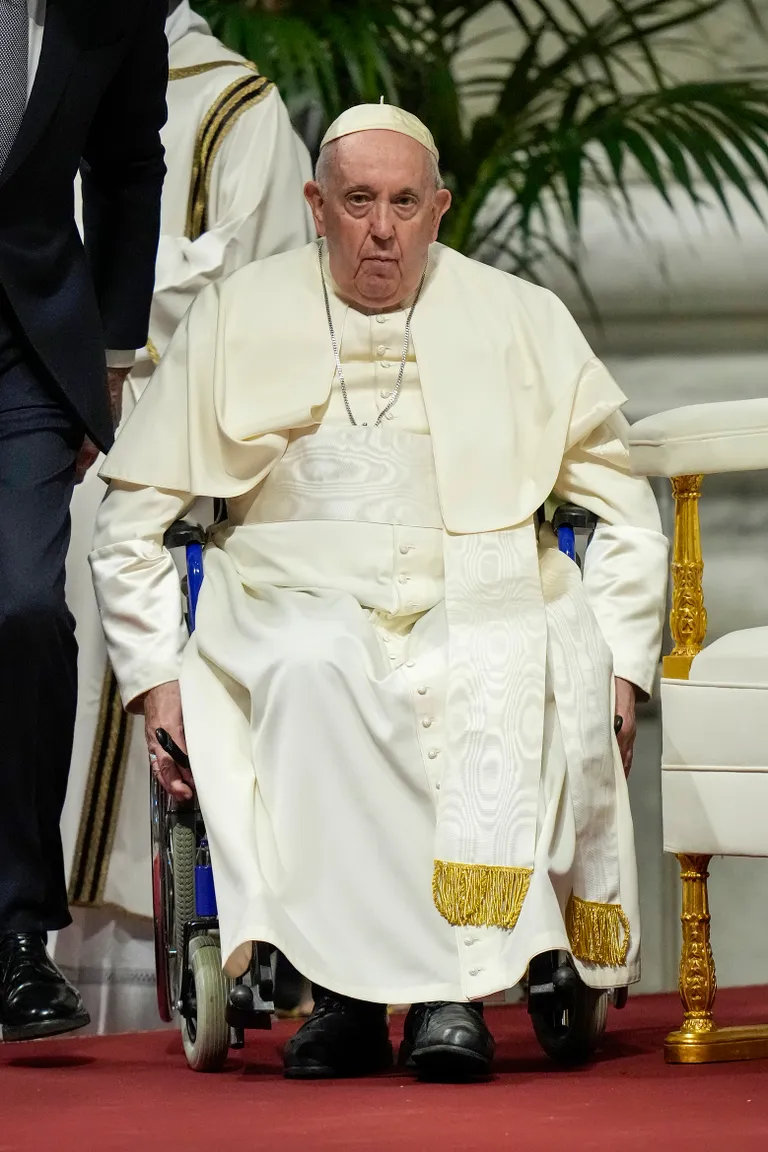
x=98, y=102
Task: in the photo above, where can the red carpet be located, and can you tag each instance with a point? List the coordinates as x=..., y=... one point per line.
x=136, y=1092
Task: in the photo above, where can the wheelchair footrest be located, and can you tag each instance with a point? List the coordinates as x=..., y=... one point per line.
x=246, y=1009
x=243, y=1019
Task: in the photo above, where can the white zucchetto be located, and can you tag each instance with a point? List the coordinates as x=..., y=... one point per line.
x=386, y=117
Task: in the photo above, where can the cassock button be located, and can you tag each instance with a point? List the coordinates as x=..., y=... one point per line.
x=475, y=971
x=402, y=579
x=469, y=941
x=385, y=393
x=411, y=664
x=404, y=549
x=426, y=722
x=433, y=753
x=421, y=691
x=437, y=786
x=385, y=364
x=381, y=349
x=381, y=319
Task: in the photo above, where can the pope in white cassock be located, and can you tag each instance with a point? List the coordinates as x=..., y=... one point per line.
x=233, y=194
x=399, y=698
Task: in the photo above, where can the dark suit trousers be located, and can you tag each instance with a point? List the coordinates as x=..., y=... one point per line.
x=39, y=441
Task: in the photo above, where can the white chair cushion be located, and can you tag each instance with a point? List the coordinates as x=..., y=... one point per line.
x=740, y=658
x=703, y=438
x=715, y=767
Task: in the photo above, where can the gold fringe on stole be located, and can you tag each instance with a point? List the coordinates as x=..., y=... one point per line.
x=479, y=895
x=599, y=933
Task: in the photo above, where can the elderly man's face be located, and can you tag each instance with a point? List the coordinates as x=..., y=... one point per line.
x=380, y=210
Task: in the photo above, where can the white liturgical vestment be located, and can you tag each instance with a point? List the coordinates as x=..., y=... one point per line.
x=233, y=193
x=353, y=622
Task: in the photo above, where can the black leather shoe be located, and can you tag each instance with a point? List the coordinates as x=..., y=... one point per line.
x=342, y=1037
x=35, y=998
x=444, y=1041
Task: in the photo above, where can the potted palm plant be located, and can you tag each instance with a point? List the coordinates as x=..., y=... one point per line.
x=584, y=104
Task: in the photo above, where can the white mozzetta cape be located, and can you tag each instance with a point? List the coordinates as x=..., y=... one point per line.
x=253, y=362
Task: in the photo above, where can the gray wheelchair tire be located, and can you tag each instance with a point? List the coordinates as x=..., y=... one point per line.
x=576, y=1035
x=183, y=840
x=206, y=1034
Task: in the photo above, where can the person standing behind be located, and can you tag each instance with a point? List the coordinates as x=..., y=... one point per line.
x=234, y=193
x=75, y=90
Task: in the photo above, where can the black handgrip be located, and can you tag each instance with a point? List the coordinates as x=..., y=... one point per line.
x=581, y=520
x=181, y=533
x=169, y=745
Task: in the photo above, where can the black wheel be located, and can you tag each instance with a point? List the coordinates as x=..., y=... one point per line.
x=569, y=1021
x=162, y=900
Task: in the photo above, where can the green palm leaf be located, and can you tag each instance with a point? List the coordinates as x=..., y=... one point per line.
x=587, y=105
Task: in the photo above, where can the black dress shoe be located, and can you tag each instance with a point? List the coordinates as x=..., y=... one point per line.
x=342, y=1037
x=35, y=998
x=444, y=1041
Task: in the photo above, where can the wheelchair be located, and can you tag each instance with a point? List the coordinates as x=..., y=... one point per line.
x=214, y=1012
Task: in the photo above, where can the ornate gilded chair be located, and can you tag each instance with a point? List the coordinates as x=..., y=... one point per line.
x=714, y=710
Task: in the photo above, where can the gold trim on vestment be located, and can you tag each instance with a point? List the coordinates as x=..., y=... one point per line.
x=241, y=95
x=209, y=66
x=101, y=804
x=479, y=895
x=598, y=933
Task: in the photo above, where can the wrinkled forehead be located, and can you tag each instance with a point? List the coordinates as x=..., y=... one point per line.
x=380, y=158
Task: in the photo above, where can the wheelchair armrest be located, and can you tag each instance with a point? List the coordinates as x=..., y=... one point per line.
x=181, y=533
x=579, y=520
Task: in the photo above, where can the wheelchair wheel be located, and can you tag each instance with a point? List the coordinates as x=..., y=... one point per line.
x=570, y=1028
x=162, y=901
x=205, y=1031
x=183, y=844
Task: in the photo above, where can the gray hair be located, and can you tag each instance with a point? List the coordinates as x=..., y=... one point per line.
x=325, y=163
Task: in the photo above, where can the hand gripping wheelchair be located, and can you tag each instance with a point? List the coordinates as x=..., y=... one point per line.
x=568, y=1018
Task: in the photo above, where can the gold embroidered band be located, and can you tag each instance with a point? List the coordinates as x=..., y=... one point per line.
x=208, y=66
x=101, y=804
x=479, y=895
x=218, y=123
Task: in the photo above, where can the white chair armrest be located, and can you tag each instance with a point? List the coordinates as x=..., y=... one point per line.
x=701, y=439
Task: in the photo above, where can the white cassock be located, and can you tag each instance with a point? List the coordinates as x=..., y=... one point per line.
x=233, y=194
x=356, y=621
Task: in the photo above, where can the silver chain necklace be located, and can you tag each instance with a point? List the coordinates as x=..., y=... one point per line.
x=394, y=394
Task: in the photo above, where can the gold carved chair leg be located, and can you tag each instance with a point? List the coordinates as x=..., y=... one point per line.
x=699, y=1040
x=688, y=619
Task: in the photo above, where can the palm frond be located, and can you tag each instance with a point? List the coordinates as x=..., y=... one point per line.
x=587, y=105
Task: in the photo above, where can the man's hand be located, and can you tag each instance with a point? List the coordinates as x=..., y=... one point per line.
x=115, y=380
x=162, y=709
x=626, y=697
x=86, y=458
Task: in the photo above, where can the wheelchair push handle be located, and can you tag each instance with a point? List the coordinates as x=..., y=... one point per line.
x=169, y=745
x=570, y=521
